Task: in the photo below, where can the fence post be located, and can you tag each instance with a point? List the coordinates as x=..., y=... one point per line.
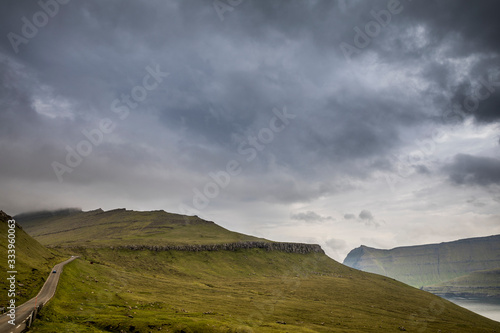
x=38, y=309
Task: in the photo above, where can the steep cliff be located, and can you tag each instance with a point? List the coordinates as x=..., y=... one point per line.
x=432, y=264
x=300, y=248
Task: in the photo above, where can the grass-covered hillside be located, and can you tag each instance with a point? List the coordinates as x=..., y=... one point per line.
x=33, y=263
x=154, y=271
x=246, y=290
x=426, y=265
x=122, y=227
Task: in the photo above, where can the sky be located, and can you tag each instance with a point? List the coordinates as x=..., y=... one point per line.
x=339, y=123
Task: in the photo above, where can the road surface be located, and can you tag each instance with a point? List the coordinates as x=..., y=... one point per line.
x=23, y=311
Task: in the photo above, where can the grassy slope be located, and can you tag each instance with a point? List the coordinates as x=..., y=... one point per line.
x=429, y=264
x=248, y=290
x=477, y=284
x=241, y=291
x=33, y=263
x=124, y=227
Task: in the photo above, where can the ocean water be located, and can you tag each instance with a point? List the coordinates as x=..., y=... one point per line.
x=489, y=308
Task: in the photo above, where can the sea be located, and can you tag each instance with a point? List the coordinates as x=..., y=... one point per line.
x=489, y=308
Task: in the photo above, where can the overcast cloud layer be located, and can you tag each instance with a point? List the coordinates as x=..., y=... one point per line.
x=335, y=122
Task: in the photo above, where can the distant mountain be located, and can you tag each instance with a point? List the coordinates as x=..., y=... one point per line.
x=438, y=265
x=33, y=262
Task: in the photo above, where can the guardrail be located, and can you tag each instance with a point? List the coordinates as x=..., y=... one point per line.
x=31, y=318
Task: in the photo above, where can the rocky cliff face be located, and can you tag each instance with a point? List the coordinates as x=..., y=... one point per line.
x=432, y=264
x=268, y=246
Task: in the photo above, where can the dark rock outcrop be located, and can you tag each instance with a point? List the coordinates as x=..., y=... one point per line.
x=268, y=246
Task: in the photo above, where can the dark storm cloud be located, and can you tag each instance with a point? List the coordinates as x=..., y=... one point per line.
x=474, y=170
x=463, y=28
x=15, y=99
x=452, y=45
x=478, y=23
x=225, y=78
x=479, y=96
x=467, y=31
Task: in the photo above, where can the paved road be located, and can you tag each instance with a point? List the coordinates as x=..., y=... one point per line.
x=23, y=311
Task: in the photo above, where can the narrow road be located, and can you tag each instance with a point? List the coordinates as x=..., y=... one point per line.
x=23, y=311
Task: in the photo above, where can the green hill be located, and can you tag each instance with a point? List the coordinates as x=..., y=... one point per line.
x=433, y=264
x=213, y=285
x=122, y=227
x=33, y=263
x=247, y=290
